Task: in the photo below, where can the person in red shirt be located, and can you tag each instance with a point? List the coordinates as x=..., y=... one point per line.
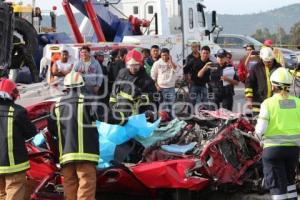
x=247, y=62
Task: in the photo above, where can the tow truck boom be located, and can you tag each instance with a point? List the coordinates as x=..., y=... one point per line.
x=107, y=26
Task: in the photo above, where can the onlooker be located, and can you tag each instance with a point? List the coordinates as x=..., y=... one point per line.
x=15, y=128
x=119, y=64
x=154, y=56
x=197, y=85
x=194, y=56
x=99, y=56
x=258, y=85
x=165, y=73
x=61, y=67
x=113, y=55
x=229, y=58
x=222, y=80
x=247, y=62
x=146, y=53
x=72, y=123
x=90, y=70
x=277, y=52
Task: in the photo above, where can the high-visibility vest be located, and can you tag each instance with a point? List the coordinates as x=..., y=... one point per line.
x=283, y=122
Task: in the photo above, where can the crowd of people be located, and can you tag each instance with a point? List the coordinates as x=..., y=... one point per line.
x=129, y=85
x=211, y=85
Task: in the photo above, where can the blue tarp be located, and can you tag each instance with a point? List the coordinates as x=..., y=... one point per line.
x=112, y=135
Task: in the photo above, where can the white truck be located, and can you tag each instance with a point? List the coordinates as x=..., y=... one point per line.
x=175, y=24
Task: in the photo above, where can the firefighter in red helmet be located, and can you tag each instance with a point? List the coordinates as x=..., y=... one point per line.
x=15, y=128
x=133, y=91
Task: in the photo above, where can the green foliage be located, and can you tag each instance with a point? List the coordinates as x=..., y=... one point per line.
x=280, y=37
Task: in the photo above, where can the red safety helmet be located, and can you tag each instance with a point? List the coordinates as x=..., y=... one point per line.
x=268, y=43
x=9, y=87
x=134, y=57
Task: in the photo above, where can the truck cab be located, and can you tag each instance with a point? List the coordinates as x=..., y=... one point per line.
x=175, y=24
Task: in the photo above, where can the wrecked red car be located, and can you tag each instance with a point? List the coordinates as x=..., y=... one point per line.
x=224, y=154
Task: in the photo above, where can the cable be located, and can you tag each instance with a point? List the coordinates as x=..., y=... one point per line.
x=120, y=11
x=147, y=29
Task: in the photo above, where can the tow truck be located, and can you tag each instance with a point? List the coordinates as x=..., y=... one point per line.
x=167, y=23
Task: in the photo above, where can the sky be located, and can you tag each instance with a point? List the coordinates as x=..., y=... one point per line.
x=221, y=6
x=245, y=6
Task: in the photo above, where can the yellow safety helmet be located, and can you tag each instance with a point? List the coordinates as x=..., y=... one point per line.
x=281, y=77
x=73, y=80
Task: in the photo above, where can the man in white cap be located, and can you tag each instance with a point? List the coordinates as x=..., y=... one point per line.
x=258, y=85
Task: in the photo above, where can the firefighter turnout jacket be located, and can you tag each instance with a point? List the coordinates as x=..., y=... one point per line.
x=15, y=128
x=258, y=85
x=131, y=95
x=72, y=122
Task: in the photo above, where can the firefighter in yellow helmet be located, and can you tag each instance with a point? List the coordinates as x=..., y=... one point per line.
x=279, y=127
x=15, y=128
x=78, y=142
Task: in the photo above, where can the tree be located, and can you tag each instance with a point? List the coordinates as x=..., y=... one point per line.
x=295, y=34
x=262, y=34
x=281, y=38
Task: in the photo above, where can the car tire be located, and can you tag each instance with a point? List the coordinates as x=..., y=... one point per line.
x=6, y=30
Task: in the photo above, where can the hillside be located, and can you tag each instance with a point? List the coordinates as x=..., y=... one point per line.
x=284, y=17
x=240, y=24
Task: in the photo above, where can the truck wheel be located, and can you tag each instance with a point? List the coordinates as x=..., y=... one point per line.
x=6, y=30
x=21, y=57
x=25, y=33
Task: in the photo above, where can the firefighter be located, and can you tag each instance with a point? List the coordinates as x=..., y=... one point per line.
x=133, y=91
x=279, y=124
x=15, y=128
x=72, y=123
x=258, y=85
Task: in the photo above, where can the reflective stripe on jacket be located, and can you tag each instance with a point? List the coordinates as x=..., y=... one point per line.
x=15, y=128
x=131, y=95
x=73, y=124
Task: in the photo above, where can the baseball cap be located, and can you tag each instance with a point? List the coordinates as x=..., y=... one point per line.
x=221, y=53
x=99, y=53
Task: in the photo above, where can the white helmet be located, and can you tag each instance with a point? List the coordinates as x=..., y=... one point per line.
x=266, y=54
x=73, y=80
x=281, y=77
